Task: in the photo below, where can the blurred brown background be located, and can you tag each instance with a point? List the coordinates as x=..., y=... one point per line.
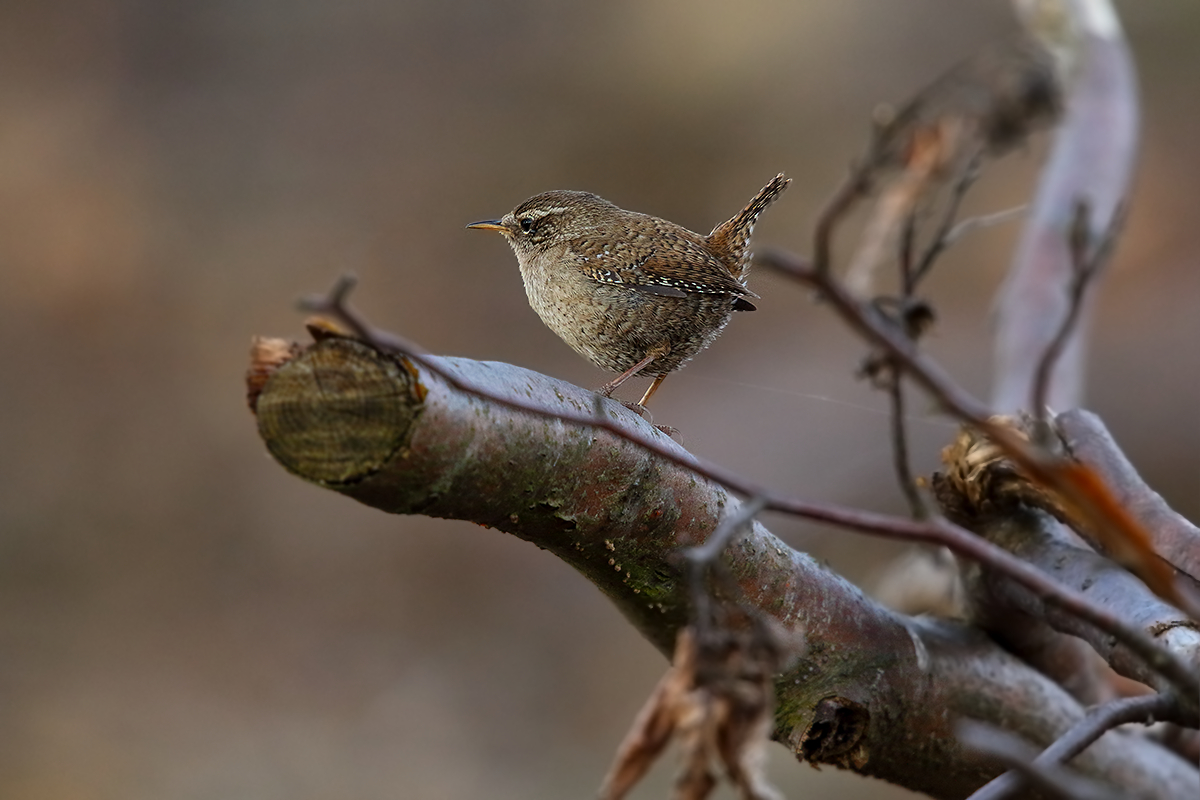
x=179, y=618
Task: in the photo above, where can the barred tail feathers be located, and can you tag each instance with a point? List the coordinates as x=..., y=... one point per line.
x=732, y=238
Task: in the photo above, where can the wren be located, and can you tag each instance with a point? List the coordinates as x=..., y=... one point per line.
x=630, y=292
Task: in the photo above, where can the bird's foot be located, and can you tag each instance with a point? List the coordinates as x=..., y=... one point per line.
x=636, y=408
x=671, y=431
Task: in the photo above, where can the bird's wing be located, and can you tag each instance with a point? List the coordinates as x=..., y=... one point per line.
x=668, y=265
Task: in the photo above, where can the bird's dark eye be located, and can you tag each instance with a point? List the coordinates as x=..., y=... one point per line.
x=527, y=224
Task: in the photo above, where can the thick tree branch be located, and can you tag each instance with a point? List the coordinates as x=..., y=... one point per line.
x=937, y=531
x=874, y=691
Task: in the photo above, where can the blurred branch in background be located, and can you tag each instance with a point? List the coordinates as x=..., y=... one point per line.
x=1091, y=164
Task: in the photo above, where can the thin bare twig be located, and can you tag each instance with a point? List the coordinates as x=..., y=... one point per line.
x=854, y=188
x=717, y=697
x=908, y=244
x=1016, y=753
x=937, y=531
x=900, y=459
x=913, y=322
x=881, y=332
x=705, y=554
x=891, y=217
x=969, y=224
x=1088, y=257
x=945, y=234
x=1098, y=720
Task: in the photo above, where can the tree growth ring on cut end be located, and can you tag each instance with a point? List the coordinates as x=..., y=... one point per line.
x=333, y=415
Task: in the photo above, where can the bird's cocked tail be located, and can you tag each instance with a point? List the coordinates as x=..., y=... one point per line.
x=731, y=239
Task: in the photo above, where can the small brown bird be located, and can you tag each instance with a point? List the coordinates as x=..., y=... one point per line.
x=627, y=291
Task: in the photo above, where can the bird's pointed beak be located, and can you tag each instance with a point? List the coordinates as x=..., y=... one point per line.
x=488, y=225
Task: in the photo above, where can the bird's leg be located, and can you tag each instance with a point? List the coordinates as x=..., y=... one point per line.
x=661, y=350
x=651, y=390
x=607, y=389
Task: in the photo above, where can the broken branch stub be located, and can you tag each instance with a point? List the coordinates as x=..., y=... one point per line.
x=337, y=413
